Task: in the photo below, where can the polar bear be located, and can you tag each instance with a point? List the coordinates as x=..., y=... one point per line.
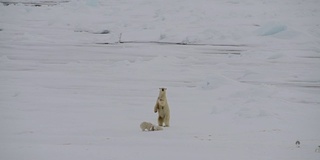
x=149, y=127
x=162, y=108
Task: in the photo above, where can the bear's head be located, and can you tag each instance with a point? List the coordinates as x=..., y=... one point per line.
x=162, y=92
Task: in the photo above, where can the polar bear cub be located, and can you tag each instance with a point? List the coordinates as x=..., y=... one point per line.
x=149, y=127
x=162, y=108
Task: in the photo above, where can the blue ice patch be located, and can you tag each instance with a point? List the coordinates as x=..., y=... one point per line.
x=271, y=29
x=92, y=3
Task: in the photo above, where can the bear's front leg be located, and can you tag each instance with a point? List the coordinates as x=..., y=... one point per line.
x=156, y=108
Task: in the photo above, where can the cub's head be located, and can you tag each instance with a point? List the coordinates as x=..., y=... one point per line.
x=162, y=92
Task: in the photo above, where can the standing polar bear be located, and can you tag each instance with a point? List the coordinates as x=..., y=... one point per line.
x=162, y=108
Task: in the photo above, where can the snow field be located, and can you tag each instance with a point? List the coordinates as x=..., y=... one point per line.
x=65, y=96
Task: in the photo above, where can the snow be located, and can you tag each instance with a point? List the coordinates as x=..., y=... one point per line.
x=249, y=91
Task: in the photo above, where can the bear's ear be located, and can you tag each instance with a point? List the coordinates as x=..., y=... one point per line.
x=163, y=89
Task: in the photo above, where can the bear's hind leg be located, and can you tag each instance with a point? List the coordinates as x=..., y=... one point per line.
x=160, y=121
x=166, y=121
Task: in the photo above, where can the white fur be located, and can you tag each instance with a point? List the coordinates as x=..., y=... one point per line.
x=162, y=108
x=149, y=127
